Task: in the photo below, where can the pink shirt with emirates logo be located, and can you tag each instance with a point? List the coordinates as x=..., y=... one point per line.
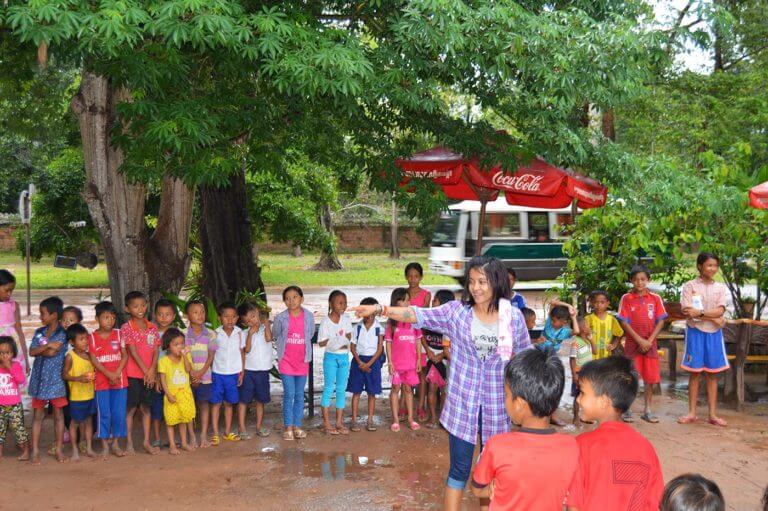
x=10, y=380
x=292, y=363
x=403, y=342
x=146, y=342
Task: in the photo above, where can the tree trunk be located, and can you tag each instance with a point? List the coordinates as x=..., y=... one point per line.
x=329, y=261
x=394, y=242
x=117, y=206
x=297, y=251
x=225, y=238
x=607, y=125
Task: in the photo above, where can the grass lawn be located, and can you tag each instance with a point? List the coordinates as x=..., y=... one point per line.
x=361, y=269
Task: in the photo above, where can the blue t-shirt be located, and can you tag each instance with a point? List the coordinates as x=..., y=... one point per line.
x=554, y=337
x=45, y=381
x=518, y=301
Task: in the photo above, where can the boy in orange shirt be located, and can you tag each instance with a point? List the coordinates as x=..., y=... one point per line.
x=618, y=467
x=533, y=467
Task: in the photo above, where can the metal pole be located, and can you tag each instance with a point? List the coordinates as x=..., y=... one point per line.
x=481, y=227
x=29, y=280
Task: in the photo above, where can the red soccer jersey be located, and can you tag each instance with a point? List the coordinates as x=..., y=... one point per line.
x=108, y=353
x=619, y=470
x=532, y=469
x=642, y=313
x=146, y=342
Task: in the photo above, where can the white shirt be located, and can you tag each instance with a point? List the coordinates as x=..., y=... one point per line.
x=365, y=339
x=261, y=355
x=228, y=358
x=336, y=333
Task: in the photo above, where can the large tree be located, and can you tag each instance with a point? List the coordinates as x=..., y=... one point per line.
x=178, y=92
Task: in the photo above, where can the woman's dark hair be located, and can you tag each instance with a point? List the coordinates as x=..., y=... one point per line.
x=639, y=269
x=538, y=379
x=7, y=339
x=293, y=288
x=333, y=295
x=444, y=296
x=512, y=272
x=76, y=311
x=692, y=492
x=53, y=305
x=190, y=303
x=105, y=306
x=74, y=330
x=413, y=266
x=6, y=277
x=398, y=294
x=170, y=335
x=703, y=257
x=496, y=273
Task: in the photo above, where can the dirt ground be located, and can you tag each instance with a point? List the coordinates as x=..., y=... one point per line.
x=365, y=470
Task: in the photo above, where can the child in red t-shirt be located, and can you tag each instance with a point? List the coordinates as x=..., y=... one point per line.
x=642, y=315
x=618, y=467
x=533, y=467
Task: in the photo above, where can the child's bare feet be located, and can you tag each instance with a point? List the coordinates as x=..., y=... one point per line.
x=118, y=452
x=173, y=450
x=35, y=458
x=151, y=450
x=75, y=456
x=204, y=443
x=24, y=456
x=90, y=453
x=129, y=450
x=188, y=447
x=60, y=457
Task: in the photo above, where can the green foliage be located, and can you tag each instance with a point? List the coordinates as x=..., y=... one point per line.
x=57, y=203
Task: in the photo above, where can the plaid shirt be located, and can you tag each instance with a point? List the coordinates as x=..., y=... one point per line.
x=472, y=383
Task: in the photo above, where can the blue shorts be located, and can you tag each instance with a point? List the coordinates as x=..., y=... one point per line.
x=81, y=411
x=255, y=387
x=462, y=454
x=156, y=410
x=202, y=392
x=704, y=351
x=224, y=388
x=368, y=382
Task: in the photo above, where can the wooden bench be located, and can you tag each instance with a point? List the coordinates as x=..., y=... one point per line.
x=750, y=338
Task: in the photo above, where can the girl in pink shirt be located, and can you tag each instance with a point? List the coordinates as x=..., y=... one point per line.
x=403, y=345
x=11, y=411
x=418, y=297
x=10, y=318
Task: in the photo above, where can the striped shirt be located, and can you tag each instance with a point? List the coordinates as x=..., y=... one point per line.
x=473, y=383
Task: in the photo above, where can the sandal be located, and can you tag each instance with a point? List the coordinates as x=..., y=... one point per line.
x=354, y=427
x=215, y=440
x=627, y=417
x=263, y=432
x=415, y=426
x=331, y=431
x=717, y=421
x=370, y=427
x=649, y=417
x=343, y=430
x=244, y=436
x=395, y=428
x=687, y=419
x=421, y=414
x=231, y=437
x=299, y=433
x=288, y=435
x=433, y=425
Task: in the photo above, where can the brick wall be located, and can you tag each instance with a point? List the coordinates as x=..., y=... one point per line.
x=358, y=238
x=7, y=238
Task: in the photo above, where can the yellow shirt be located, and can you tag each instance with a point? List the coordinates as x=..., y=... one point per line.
x=176, y=376
x=603, y=332
x=80, y=391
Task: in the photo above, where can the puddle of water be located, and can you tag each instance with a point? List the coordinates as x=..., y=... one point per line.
x=329, y=466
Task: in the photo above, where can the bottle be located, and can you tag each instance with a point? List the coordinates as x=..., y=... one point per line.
x=697, y=302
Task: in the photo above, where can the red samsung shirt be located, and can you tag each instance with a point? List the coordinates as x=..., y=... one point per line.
x=533, y=469
x=146, y=342
x=108, y=353
x=642, y=313
x=619, y=470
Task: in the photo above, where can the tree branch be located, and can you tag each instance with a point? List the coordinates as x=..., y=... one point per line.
x=676, y=27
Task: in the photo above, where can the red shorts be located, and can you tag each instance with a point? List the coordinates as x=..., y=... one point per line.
x=648, y=368
x=57, y=402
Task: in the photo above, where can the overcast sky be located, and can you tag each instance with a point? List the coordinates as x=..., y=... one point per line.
x=693, y=58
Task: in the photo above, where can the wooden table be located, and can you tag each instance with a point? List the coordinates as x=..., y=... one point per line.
x=670, y=339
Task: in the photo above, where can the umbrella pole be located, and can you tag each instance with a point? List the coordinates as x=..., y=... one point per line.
x=481, y=227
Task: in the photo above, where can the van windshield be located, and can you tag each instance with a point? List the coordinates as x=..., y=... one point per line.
x=446, y=231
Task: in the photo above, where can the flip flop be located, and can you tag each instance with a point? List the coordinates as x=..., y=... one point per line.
x=215, y=440
x=415, y=426
x=627, y=417
x=331, y=431
x=649, y=417
x=354, y=427
x=687, y=419
x=342, y=430
x=299, y=433
x=395, y=428
x=717, y=421
x=370, y=427
x=263, y=432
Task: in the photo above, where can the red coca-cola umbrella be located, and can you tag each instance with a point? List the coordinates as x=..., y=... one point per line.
x=758, y=196
x=541, y=185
